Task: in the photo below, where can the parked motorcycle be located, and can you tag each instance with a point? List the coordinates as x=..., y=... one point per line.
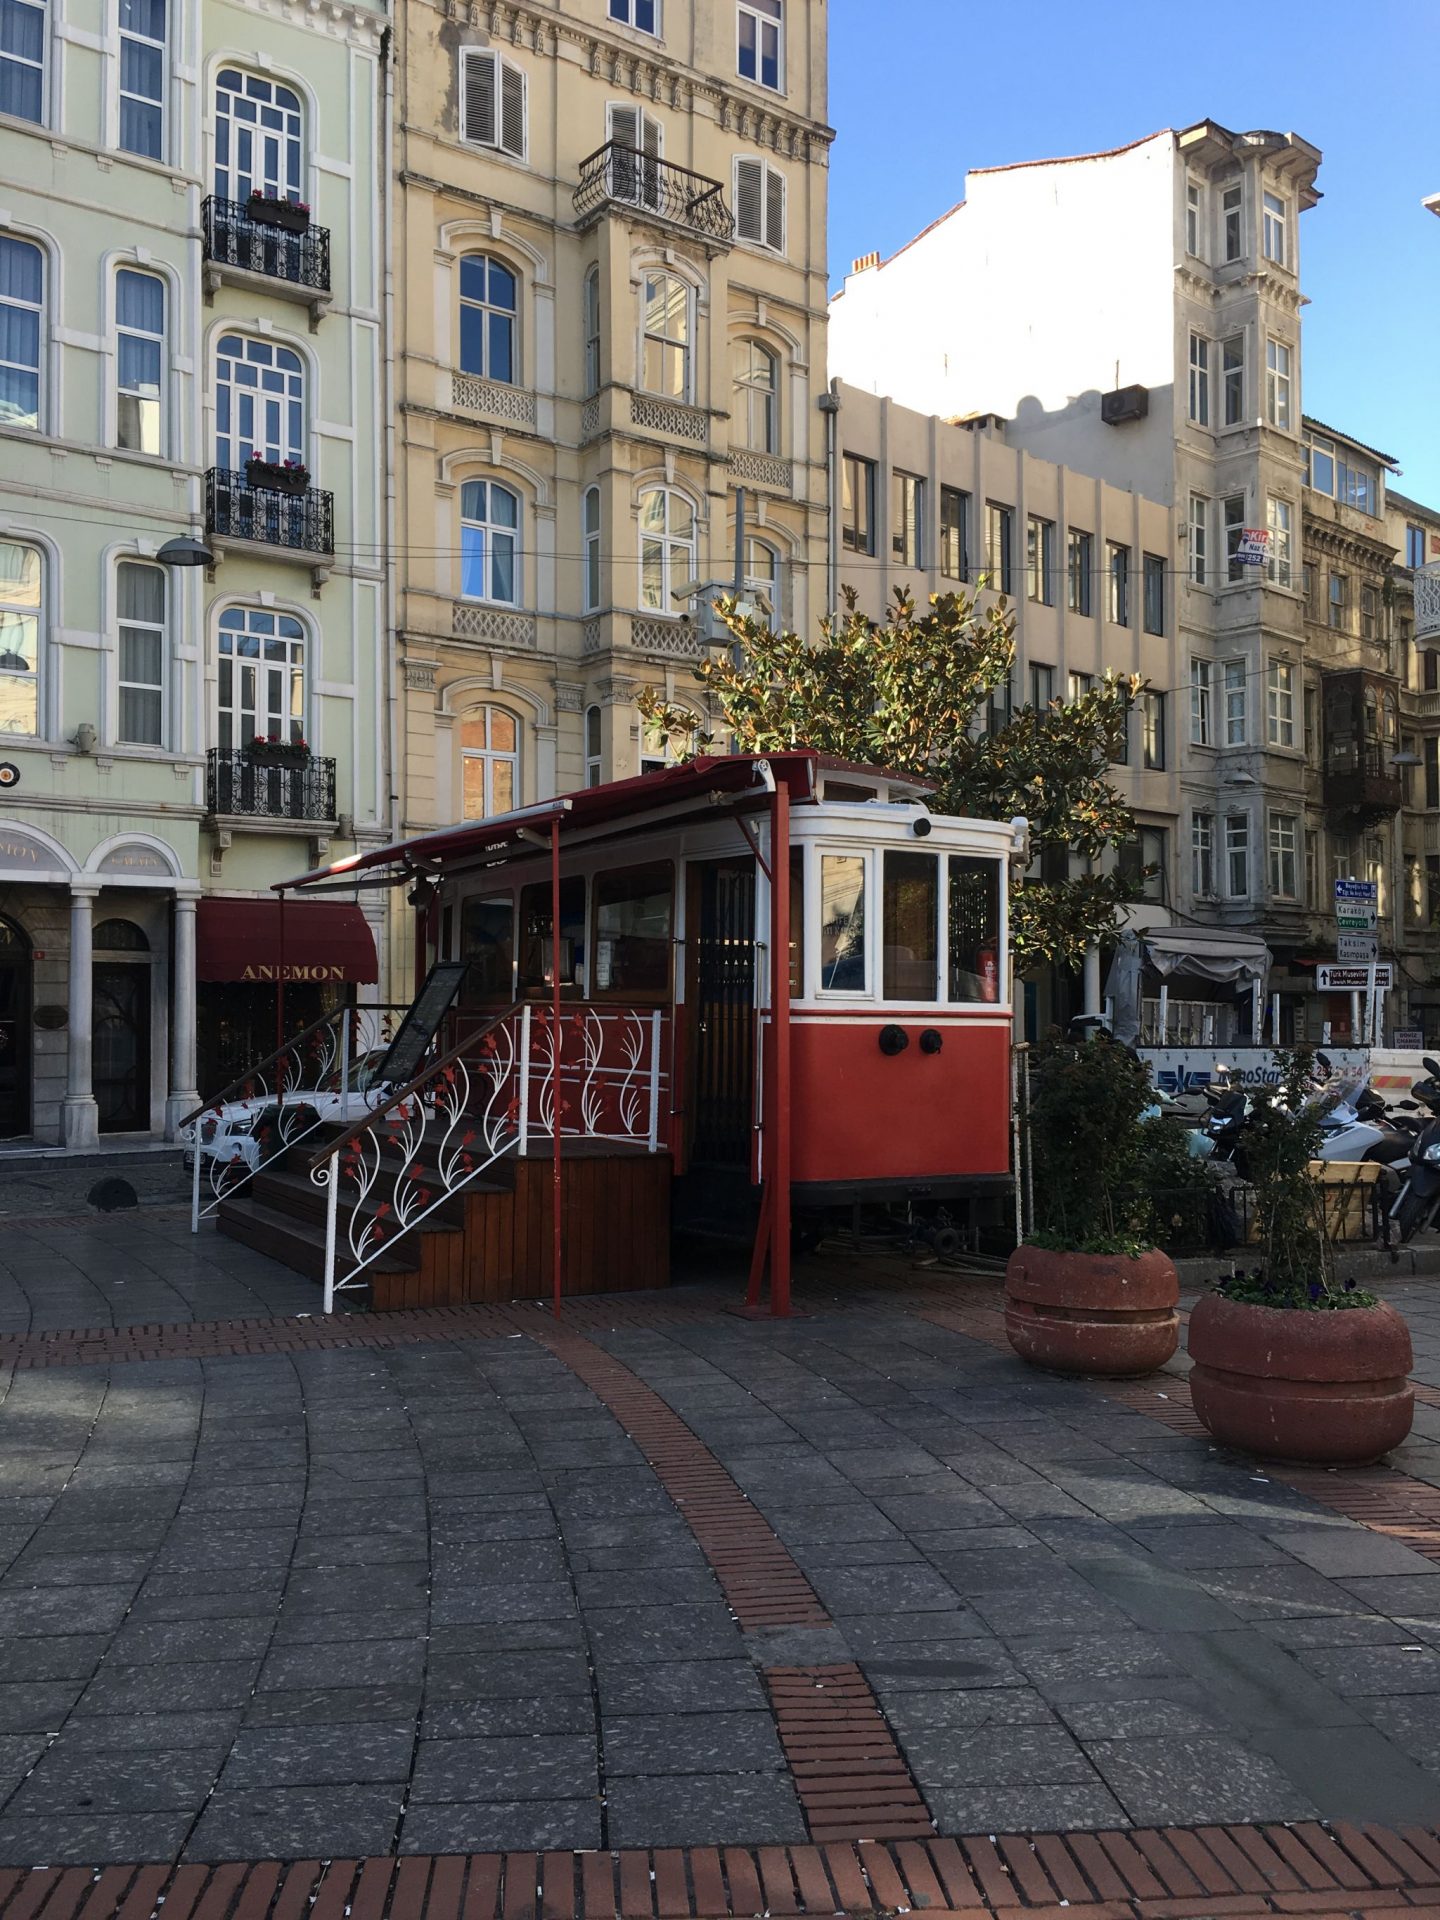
x=1419, y=1198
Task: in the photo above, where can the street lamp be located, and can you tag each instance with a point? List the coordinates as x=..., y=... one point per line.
x=185, y=551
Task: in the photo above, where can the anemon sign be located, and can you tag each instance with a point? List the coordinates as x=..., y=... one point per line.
x=292, y=972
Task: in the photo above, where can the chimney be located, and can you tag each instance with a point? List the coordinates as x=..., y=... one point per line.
x=865, y=262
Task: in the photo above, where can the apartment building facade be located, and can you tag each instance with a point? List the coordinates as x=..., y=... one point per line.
x=610, y=287
x=146, y=359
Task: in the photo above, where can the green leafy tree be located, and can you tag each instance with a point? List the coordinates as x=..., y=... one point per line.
x=910, y=695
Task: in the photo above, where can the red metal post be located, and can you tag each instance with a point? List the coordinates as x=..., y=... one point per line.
x=280, y=982
x=777, y=1134
x=557, y=1239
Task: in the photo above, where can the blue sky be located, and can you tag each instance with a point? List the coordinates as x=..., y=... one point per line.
x=942, y=85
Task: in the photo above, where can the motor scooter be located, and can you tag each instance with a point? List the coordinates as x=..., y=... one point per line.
x=1419, y=1198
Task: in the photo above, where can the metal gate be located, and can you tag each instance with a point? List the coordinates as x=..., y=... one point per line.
x=724, y=962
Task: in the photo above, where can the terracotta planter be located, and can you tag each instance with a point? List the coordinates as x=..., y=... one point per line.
x=1302, y=1386
x=1091, y=1312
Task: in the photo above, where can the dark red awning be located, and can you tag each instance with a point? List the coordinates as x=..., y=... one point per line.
x=260, y=942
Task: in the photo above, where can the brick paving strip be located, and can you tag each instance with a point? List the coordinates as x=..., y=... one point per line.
x=1309, y=1869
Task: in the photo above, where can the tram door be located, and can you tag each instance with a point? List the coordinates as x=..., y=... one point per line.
x=720, y=989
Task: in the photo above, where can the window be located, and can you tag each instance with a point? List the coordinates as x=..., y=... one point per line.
x=1231, y=215
x=760, y=54
x=660, y=748
x=1200, y=734
x=999, y=522
x=139, y=359
x=1237, y=702
x=757, y=396
x=20, y=585
x=592, y=747
x=1274, y=235
x=666, y=312
x=489, y=543
x=1233, y=513
x=1312, y=719
x=1145, y=859
x=667, y=547
x=1280, y=704
x=1202, y=854
x=259, y=402
x=910, y=925
x=1414, y=546
x=1344, y=475
x=1000, y=707
x=1369, y=612
x=1432, y=770
x=1284, y=847
x=492, y=101
x=489, y=763
x=1277, y=384
x=261, y=679
x=760, y=204
x=637, y=140
x=1280, y=561
x=857, y=504
x=644, y=14
x=1152, y=714
x=1040, y=560
x=1078, y=685
x=954, y=533
x=489, y=303
x=1430, y=671
x=1154, y=566
x=1122, y=758
x=842, y=923
x=762, y=575
x=140, y=599
x=907, y=518
x=22, y=59
x=1118, y=574
x=1232, y=374
x=590, y=514
x=1237, y=855
x=1309, y=588
x=592, y=331
x=1042, y=686
x=487, y=941
x=536, y=971
x=22, y=291
x=633, y=910
x=1199, y=380
x=258, y=143
x=142, y=77
x=1080, y=557
x=1199, y=537
x=1339, y=602
x=1194, y=216
x=974, y=929
x=1312, y=868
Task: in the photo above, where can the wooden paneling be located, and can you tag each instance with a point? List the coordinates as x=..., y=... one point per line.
x=616, y=1220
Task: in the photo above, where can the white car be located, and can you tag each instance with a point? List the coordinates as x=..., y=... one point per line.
x=243, y=1129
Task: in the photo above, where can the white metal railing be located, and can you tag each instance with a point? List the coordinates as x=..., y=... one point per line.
x=1187, y=1023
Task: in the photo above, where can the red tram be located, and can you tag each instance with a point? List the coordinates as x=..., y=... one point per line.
x=844, y=1036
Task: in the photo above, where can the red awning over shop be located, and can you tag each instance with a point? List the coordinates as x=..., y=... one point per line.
x=261, y=942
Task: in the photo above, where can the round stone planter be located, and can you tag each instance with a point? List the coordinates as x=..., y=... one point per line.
x=1293, y=1385
x=1091, y=1312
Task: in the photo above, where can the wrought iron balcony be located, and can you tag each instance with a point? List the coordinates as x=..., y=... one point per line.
x=234, y=510
x=239, y=785
x=1361, y=784
x=619, y=176
x=233, y=239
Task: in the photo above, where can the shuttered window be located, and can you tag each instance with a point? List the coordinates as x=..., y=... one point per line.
x=492, y=101
x=760, y=204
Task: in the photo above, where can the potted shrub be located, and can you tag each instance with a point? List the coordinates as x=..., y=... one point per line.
x=1286, y=1362
x=276, y=476
x=1088, y=1292
x=274, y=750
x=275, y=210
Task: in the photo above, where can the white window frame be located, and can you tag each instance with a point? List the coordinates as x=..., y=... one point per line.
x=157, y=102
x=1202, y=854
x=770, y=195
x=1235, y=691
x=23, y=611
x=158, y=341
x=1080, y=571
x=768, y=17
x=157, y=630
x=1275, y=228
x=591, y=516
x=486, y=306
x=505, y=74
x=1232, y=221
x=622, y=10
x=288, y=440
x=38, y=309
x=1199, y=379
x=281, y=660
x=684, y=345
x=1282, y=844
x=280, y=147
x=1194, y=216
x=676, y=551
x=1119, y=582
x=1233, y=513
x=907, y=519
x=490, y=757
x=752, y=396
x=1039, y=560
x=40, y=66
x=1280, y=703
x=1199, y=568
x=594, y=751
x=1237, y=856
x=764, y=574
x=1279, y=383
x=1232, y=380
x=593, y=331
x=1280, y=560
x=494, y=535
x=634, y=175
x=814, y=896
x=1201, y=733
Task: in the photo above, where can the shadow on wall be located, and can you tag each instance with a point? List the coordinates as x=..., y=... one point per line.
x=1132, y=450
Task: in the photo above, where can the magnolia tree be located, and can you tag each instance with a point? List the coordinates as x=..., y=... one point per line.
x=911, y=696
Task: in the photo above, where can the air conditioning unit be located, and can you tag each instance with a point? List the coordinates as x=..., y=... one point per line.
x=1125, y=403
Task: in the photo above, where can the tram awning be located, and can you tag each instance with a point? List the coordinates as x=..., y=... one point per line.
x=262, y=942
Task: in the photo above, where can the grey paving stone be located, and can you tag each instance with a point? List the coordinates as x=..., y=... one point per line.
x=1342, y=1630
x=175, y=1687
x=349, y=1755
x=332, y=1706
x=1095, y=1668
x=973, y=1707
x=167, y=1732
x=679, y=1686
x=1395, y=1594
x=704, y=1810
x=47, y=1611
x=92, y=1839
x=291, y=1823
x=472, y=1827
x=1025, y=1755
x=1197, y=1781
x=1036, y=1809
x=848, y=1590
x=530, y=1714
x=1353, y=1773
x=138, y=1645
x=1400, y=1668
x=37, y=1706
x=1259, y=1593
x=507, y=1768
x=662, y=1586
x=501, y=1676
x=390, y=1623
x=934, y=1665
x=82, y=1782
x=1139, y=1720
x=691, y=1743
x=1346, y=1553
x=361, y=1663
x=454, y=1602
x=1412, y=1721
x=18, y=1753
x=52, y=1656
x=44, y=1569
x=661, y=1633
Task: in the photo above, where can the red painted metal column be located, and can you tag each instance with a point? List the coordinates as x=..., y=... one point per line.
x=280, y=982
x=778, y=1132
x=557, y=1236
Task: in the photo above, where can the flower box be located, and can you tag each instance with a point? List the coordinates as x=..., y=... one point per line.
x=277, y=753
x=273, y=476
x=291, y=216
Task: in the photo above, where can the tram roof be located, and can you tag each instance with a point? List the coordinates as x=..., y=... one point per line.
x=620, y=805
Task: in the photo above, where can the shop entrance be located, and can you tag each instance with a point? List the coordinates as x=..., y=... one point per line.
x=120, y=1060
x=15, y=978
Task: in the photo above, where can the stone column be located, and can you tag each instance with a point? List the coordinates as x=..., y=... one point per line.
x=184, y=1097
x=1094, y=1002
x=80, y=1116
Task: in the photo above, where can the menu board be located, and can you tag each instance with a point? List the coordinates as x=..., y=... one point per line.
x=416, y=1033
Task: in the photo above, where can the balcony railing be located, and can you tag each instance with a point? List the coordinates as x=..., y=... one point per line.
x=246, y=788
x=235, y=510
x=233, y=239
x=625, y=177
x=1362, y=782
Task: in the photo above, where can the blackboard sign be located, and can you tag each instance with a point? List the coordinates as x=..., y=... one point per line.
x=418, y=1029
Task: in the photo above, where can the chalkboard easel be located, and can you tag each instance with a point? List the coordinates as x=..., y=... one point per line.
x=416, y=1033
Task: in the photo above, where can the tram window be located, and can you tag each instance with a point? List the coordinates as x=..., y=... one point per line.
x=633, y=907
x=911, y=921
x=842, y=923
x=487, y=941
x=536, y=944
x=797, y=923
x=974, y=929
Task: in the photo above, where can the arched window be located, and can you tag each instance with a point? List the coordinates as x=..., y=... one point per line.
x=21, y=583
x=140, y=602
x=592, y=548
x=258, y=140
x=259, y=402
x=592, y=747
x=762, y=574
x=261, y=680
x=592, y=331
x=667, y=547
x=489, y=543
x=22, y=301
x=489, y=762
x=661, y=748
x=489, y=308
x=757, y=396
x=665, y=303
x=139, y=360
x=119, y=936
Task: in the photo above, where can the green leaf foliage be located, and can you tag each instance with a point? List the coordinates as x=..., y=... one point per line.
x=1089, y=1146
x=1282, y=1137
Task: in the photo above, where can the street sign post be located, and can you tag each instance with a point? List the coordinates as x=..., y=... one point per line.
x=1337, y=979
x=1357, y=949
